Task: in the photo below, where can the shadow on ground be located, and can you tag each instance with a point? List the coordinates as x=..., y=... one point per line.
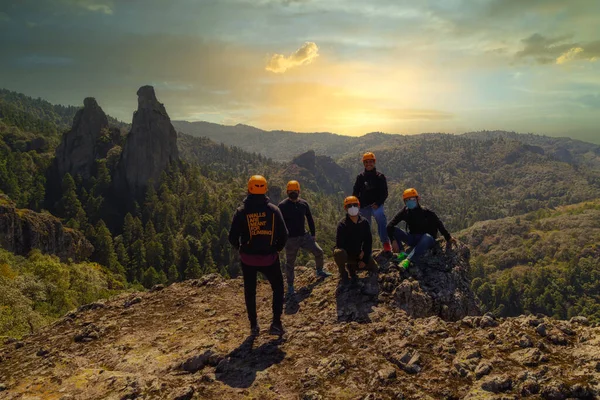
x=292, y=304
x=238, y=369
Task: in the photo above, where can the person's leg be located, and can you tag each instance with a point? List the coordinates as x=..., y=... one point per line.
x=249, y=273
x=405, y=238
x=353, y=270
x=291, y=252
x=425, y=242
x=340, y=256
x=311, y=245
x=372, y=266
x=275, y=278
x=381, y=220
x=367, y=213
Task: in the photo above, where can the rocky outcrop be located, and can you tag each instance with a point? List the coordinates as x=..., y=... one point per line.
x=23, y=230
x=319, y=173
x=190, y=340
x=90, y=138
x=151, y=145
x=436, y=285
x=156, y=348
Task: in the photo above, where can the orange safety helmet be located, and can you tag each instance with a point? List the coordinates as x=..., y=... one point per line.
x=257, y=185
x=351, y=200
x=368, y=156
x=293, y=186
x=410, y=192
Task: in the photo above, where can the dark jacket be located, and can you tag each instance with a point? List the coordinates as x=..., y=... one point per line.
x=258, y=227
x=294, y=214
x=354, y=237
x=420, y=220
x=370, y=187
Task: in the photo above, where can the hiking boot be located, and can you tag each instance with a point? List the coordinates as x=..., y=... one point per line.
x=355, y=283
x=399, y=258
x=276, y=329
x=291, y=291
x=405, y=264
x=323, y=274
x=254, y=329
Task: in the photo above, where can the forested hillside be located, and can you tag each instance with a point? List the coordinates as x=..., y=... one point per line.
x=546, y=261
x=177, y=228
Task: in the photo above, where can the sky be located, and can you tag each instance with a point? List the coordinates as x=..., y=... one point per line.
x=343, y=66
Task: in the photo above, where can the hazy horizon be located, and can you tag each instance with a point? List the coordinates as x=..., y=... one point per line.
x=345, y=67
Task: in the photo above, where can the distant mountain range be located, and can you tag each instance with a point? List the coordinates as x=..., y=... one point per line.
x=284, y=145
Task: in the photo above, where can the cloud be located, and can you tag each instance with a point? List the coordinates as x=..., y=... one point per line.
x=569, y=55
x=543, y=49
x=559, y=50
x=100, y=6
x=38, y=60
x=590, y=101
x=304, y=55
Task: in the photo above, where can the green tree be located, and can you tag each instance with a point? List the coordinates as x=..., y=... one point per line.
x=70, y=206
x=150, y=278
x=193, y=270
x=104, y=252
x=137, y=261
x=172, y=274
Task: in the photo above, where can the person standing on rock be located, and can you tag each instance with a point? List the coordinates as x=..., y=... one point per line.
x=353, y=243
x=371, y=190
x=423, y=226
x=258, y=231
x=295, y=211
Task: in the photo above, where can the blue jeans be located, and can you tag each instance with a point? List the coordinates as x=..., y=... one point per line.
x=380, y=218
x=419, y=242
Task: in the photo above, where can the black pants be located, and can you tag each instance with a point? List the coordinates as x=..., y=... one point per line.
x=275, y=277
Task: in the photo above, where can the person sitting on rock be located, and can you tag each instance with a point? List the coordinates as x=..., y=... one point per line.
x=353, y=243
x=371, y=190
x=295, y=212
x=258, y=231
x=423, y=226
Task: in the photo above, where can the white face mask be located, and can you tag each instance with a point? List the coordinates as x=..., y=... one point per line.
x=353, y=211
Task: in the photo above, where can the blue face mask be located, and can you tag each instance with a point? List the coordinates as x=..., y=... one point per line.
x=411, y=204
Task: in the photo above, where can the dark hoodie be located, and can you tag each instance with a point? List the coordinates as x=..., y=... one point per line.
x=420, y=220
x=258, y=228
x=370, y=188
x=354, y=237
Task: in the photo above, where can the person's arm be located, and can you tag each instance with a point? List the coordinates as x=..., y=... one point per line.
x=281, y=230
x=383, y=191
x=339, y=236
x=442, y=228
x=311, y=222
x=234, y=231
x=395, y=221
x=367, y=246
x=357, y=187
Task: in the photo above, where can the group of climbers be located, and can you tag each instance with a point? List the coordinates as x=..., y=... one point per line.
x=260, y=230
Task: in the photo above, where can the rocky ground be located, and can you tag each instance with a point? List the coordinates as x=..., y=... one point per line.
x=414, y=335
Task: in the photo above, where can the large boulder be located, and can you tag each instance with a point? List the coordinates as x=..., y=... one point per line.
x=436, y=285
x=318, y=173
x=78, y=150
x=151, y=145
